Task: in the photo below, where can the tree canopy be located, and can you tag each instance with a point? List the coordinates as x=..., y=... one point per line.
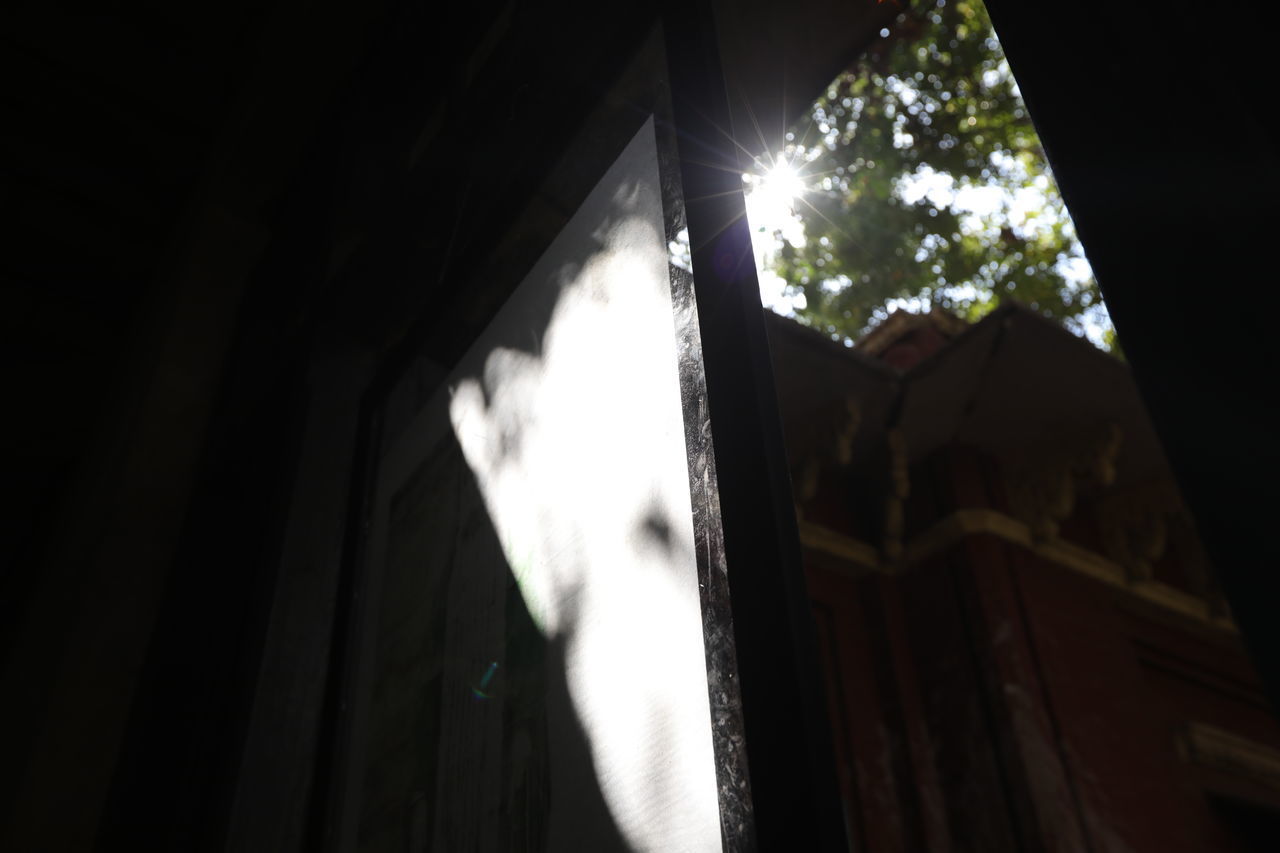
x=924, y=179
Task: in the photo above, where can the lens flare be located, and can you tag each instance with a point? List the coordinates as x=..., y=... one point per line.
x=479, y=691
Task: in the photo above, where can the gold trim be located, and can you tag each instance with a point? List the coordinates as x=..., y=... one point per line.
x=836, y=544
x=1213, y=747
x=960, y=524
x=1173, y=599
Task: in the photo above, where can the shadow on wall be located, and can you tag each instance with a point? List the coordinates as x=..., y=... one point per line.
x=539, y=680
x=473, y=740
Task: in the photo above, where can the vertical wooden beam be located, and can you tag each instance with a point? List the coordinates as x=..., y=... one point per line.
x=789, y=747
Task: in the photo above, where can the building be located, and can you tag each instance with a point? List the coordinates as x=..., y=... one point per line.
x=230, y=237
x=1025, y=645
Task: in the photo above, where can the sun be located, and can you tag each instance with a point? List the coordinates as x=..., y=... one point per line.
x=771, y=197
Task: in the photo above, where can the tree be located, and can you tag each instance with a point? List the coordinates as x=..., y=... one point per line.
x=924, y=178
